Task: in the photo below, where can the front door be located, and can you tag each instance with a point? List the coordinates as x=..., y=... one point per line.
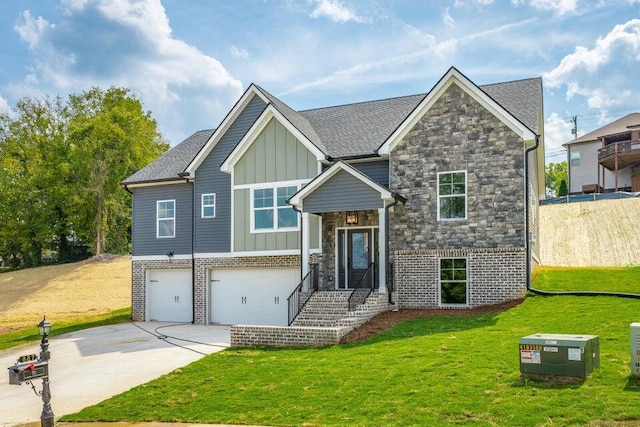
x=356, y=251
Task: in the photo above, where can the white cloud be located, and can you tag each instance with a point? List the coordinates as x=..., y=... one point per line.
x=238, y=52
x=335, y=11
x=4, y=106
x=601, y=74
x=448, y=19
x=557, y=131
x=127, y=43
x=559, y=7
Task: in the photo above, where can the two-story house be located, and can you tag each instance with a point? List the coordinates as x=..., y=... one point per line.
x=606, y=159
x=426, y=201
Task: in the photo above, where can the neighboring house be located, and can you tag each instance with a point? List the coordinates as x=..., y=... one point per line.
x=429, y=200
x=607, y=159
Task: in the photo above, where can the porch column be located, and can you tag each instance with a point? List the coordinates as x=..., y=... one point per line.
x=382, y=250
x=305, y=249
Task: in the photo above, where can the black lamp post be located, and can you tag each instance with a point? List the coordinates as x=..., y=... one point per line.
x=46, y=419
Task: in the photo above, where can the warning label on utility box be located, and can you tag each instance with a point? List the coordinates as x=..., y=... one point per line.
x=530, y=356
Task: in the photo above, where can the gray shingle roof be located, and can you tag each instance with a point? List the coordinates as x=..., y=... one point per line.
x=353, y=129
x=617, y=126
x=170, y=164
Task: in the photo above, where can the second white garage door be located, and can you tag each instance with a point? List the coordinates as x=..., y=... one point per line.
x=252, y=296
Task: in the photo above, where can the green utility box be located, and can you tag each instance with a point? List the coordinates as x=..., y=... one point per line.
x=558, y=356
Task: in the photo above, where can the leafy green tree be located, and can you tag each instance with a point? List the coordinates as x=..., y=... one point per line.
x=555, y=174
x=61, y=164
x=111, y=137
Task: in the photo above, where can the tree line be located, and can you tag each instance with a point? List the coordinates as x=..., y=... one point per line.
x=61, y=164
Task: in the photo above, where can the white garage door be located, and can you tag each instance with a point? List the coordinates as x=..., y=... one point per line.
x=252, y=296
x=170, y=296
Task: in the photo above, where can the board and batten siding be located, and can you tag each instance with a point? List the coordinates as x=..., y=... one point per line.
x=144, y=239
x=274, y=156
x=213, y=235
x=342, y=192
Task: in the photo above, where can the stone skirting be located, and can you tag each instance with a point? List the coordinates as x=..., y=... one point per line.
x=494, y=276
x=285, y=336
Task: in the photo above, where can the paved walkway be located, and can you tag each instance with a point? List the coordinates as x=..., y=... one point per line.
x=89, y=366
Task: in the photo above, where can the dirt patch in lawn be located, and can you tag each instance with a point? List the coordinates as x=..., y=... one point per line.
x=390, y=318
x=64, y=292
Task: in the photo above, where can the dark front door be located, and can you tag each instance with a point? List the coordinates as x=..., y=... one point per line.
x=357, y=249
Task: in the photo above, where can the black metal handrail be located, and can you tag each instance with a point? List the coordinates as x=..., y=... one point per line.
x=295, y=301
x=351, y=304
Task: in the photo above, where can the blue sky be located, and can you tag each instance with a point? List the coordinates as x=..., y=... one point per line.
x=190, y=60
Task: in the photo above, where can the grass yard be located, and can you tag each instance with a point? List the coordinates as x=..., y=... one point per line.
x=601, y=279
x=72, y=296
x=433, y=371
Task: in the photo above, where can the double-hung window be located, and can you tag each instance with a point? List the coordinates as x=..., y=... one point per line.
x=270, y=211
x=208, y=205
x=453, y=281
x=166, y=218
x=452, y=195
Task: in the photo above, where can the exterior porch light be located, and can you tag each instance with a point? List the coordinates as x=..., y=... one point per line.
x=352, y=218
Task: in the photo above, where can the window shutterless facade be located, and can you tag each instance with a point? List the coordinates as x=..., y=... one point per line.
x=165, y=219
x=270, y=211
x=453, y=281
x=575, y=158
x=452, y=195
x=208, y=204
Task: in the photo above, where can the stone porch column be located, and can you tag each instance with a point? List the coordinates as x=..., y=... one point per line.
x=382, y=250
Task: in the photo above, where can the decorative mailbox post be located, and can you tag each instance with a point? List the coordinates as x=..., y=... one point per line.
x=31, y=367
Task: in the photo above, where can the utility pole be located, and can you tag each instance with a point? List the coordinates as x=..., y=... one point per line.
x=574, y=131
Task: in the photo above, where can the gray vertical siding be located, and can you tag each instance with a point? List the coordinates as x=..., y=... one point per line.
x=145, y=241
x=378, y=171
x=214, y=234
x=342, y=192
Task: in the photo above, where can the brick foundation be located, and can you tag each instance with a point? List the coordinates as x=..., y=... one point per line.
x=494, y=276
x=283, y=336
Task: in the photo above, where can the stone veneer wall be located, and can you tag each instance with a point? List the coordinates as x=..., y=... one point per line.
x=493, y=276
x=458, y=133
x=331, y=221
x=202, y=265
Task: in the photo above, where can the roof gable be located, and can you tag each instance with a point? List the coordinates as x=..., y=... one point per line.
x=453, y=76
x=269, y=113
x=297, y=199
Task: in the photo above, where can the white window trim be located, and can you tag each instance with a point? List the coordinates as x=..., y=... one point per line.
x=466, y=197
x=467, y=282
x=158, y=219
x=202, y=205
x=298, y=183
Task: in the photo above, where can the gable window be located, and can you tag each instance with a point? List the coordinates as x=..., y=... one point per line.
x=208, y=205
x=452, y=195
x=453, y=281
x=270, y=211
x=575, y=158
x=166, y=218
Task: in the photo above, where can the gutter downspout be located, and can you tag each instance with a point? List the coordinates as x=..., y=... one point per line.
x=386, y=244
x=527, y=210
x=301, y=242
x=185, y=175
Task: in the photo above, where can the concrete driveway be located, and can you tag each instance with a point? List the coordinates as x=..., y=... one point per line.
x=89, y=366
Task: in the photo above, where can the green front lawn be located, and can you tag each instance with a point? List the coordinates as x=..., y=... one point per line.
x=434, y=371
x=611, y=279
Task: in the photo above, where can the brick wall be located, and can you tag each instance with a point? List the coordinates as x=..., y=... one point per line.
x=493, y=276
x=202, y=265
x=282, y=336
